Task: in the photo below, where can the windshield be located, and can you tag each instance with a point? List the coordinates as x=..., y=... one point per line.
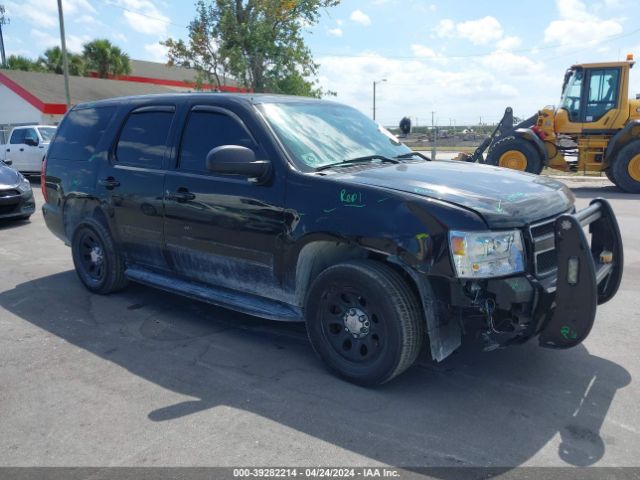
x=318, y=134
x=46, y=133
x=571, y=93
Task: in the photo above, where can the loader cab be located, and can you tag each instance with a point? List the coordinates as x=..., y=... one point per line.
x=594, y=98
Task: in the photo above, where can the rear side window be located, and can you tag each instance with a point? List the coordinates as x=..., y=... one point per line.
x=143, y=139
x=205, y=131
x=17, y=136
x=80, y=132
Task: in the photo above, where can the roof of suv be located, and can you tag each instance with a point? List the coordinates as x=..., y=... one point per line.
x=253, y=98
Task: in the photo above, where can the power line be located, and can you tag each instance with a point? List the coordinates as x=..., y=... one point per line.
x=136, y=12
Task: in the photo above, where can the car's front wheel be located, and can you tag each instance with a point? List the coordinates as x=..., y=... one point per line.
x=364, y=321
x=98, y=263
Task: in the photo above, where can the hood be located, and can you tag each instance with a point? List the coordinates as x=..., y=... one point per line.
x=504, y=198
x=8, y=176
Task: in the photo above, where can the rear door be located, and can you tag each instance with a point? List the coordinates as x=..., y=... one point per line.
x=220, y=229
x=132, y=183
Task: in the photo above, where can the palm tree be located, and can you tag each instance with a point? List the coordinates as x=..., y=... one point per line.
x=105, y=59
x=52, y=62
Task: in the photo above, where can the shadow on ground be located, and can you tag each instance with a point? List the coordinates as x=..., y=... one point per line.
x=475, y=408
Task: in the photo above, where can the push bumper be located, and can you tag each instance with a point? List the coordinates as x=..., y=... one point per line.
x=589, y=274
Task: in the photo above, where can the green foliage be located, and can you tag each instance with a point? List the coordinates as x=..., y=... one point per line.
x=258, y=42
x=52, y=62
x=18, y=62
x=104, y=58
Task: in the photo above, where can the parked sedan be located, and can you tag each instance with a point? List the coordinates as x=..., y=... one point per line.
x=16, y=196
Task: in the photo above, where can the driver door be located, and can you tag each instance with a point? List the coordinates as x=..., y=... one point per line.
x=601, y=98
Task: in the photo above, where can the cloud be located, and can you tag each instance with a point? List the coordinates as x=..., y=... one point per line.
x=479, y=32
x=510, y=63
x=156, y=52
x=358, y=16
x=579, y=27
x=144, y=17
x=509, y=43
x=335, y=32
x=47, y=40
x=416, y=87
x=44, y=13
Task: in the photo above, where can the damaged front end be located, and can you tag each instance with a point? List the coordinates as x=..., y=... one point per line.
x=568, y=273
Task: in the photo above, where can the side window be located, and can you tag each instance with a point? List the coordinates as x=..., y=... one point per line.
x=80, y=132
x=17, y=136
x=603, y=93
x=31, y=134
x=205, y=131
x=143, y=139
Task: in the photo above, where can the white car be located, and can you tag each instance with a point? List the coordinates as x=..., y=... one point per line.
x=26, y=147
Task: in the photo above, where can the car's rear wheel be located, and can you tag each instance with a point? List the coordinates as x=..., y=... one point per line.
x=98, y=263
x=517, y=154
x=364, y=321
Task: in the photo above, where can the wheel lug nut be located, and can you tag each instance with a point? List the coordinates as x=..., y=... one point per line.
x=366, y=324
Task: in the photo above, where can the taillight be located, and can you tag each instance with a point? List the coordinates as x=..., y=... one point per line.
x=43, y=176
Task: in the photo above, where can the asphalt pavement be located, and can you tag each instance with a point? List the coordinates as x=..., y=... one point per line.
x=146, y=378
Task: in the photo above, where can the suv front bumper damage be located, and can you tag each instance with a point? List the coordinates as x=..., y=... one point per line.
x=561, y=307
x=589, y=274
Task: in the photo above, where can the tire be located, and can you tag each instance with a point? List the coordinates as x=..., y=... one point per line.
x=522, y=150
x=98, y=263
x=370, y=300
x=625, y=168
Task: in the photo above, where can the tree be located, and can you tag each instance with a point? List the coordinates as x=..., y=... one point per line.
x=105, y=59
x=18, y=62
x=51, y=61
x=259, y=42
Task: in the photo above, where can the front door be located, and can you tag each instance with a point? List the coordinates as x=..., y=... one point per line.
x=221, y=230
x=133, y=181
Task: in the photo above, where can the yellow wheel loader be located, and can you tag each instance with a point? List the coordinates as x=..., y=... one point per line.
x=596, y=127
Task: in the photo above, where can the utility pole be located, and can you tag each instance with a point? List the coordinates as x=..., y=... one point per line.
x=374, y=95
x=435, y=136
x=3, y=21
x=65, y=62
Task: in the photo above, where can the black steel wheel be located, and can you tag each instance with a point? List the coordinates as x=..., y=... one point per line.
x=98, y=263
x=364, y=321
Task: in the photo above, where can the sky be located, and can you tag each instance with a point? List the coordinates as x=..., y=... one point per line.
x=464, y=60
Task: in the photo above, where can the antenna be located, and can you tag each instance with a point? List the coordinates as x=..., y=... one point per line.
x=3, y=21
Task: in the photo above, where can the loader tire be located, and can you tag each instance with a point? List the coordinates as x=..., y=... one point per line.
x=517, y=154
x=625, y=168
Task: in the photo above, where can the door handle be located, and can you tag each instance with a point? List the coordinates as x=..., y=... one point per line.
x=109, y=183
x=22, y=149
x=182, y=195
x=8, y=149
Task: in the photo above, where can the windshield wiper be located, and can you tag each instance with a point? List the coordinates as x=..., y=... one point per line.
x=352, y=161
x=413, y=154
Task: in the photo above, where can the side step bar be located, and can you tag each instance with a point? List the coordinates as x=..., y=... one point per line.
x=221, y=297
x=589, y=274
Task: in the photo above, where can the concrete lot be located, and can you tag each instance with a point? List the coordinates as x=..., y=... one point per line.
x=145, y=378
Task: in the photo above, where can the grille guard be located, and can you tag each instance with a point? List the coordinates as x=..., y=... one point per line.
x=594, y=283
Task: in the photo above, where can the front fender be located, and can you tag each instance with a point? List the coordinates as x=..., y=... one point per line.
x=531, y=136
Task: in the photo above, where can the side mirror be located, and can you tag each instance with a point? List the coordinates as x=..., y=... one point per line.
x=31, y=142
x=237, y=160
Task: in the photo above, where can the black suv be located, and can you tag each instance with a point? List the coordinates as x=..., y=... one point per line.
x=305, y=210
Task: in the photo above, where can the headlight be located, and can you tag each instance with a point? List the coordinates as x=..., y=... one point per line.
x=486, y=254
x=24, y=185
